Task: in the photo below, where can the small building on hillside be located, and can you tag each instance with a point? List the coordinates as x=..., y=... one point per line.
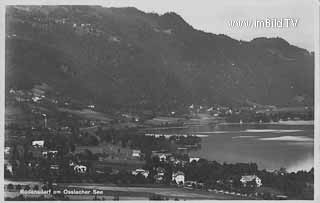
x=245, y=180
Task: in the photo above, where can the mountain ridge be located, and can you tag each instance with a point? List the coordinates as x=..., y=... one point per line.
x=123, y=56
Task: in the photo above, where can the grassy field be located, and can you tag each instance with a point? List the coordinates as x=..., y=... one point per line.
x=114, y=156
x=87, y=114
x=15, y=114
x=107, y=148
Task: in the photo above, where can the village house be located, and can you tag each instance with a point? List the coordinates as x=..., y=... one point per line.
x=127, y=117
x=159, y=177
x=190, y=183
x=191, y=159
x=38, y=92
x=178, y=177
x=136, y=153
x=54, y=167
x=160, y=171
x=12, y=91
x=8, y=167
x=281, y=171
x=38, y=143
x=182, y=150
x=71, y=163
x=141, y=171
x=91, y=106
x=250, y=178
x=176, y=161
x=163, y=156
x=7, y=150
x=80, y=169
x=50, y=153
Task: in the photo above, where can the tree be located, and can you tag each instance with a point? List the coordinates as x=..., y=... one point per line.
x=10, y=187
x=27, y=187
x=116, y=198
x=18, y=187
x=36, y=187
x=72, y=147
x=44, y=187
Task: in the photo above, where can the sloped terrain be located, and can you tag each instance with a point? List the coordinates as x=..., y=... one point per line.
x=125, y=57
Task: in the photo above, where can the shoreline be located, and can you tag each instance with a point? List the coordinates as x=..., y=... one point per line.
x=298, y=122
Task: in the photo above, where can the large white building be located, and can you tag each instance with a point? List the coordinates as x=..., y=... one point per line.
x=178, y=177
x=245, y=179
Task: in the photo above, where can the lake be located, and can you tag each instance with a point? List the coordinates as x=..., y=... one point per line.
x=271, y=146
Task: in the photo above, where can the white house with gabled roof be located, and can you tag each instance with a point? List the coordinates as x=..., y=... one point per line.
x=249, y=178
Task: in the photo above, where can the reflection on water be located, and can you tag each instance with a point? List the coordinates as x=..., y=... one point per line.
x=289, y=138
x=270, y=146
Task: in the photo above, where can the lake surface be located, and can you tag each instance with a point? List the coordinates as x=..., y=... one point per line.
x=271, y=146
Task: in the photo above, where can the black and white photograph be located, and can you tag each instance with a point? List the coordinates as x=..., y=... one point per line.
x=144, y=100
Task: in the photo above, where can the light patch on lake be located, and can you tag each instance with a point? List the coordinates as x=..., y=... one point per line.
x=252, y=131
x=244, y=136
x=218, y=132
x=200, y=135
x=296, y=122
x=288, y=138
x=271, y=131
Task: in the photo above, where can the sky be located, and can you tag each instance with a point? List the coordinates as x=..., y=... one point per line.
x=214, y=16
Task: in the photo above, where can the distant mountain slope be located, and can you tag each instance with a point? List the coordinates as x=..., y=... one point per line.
x=122, y=56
